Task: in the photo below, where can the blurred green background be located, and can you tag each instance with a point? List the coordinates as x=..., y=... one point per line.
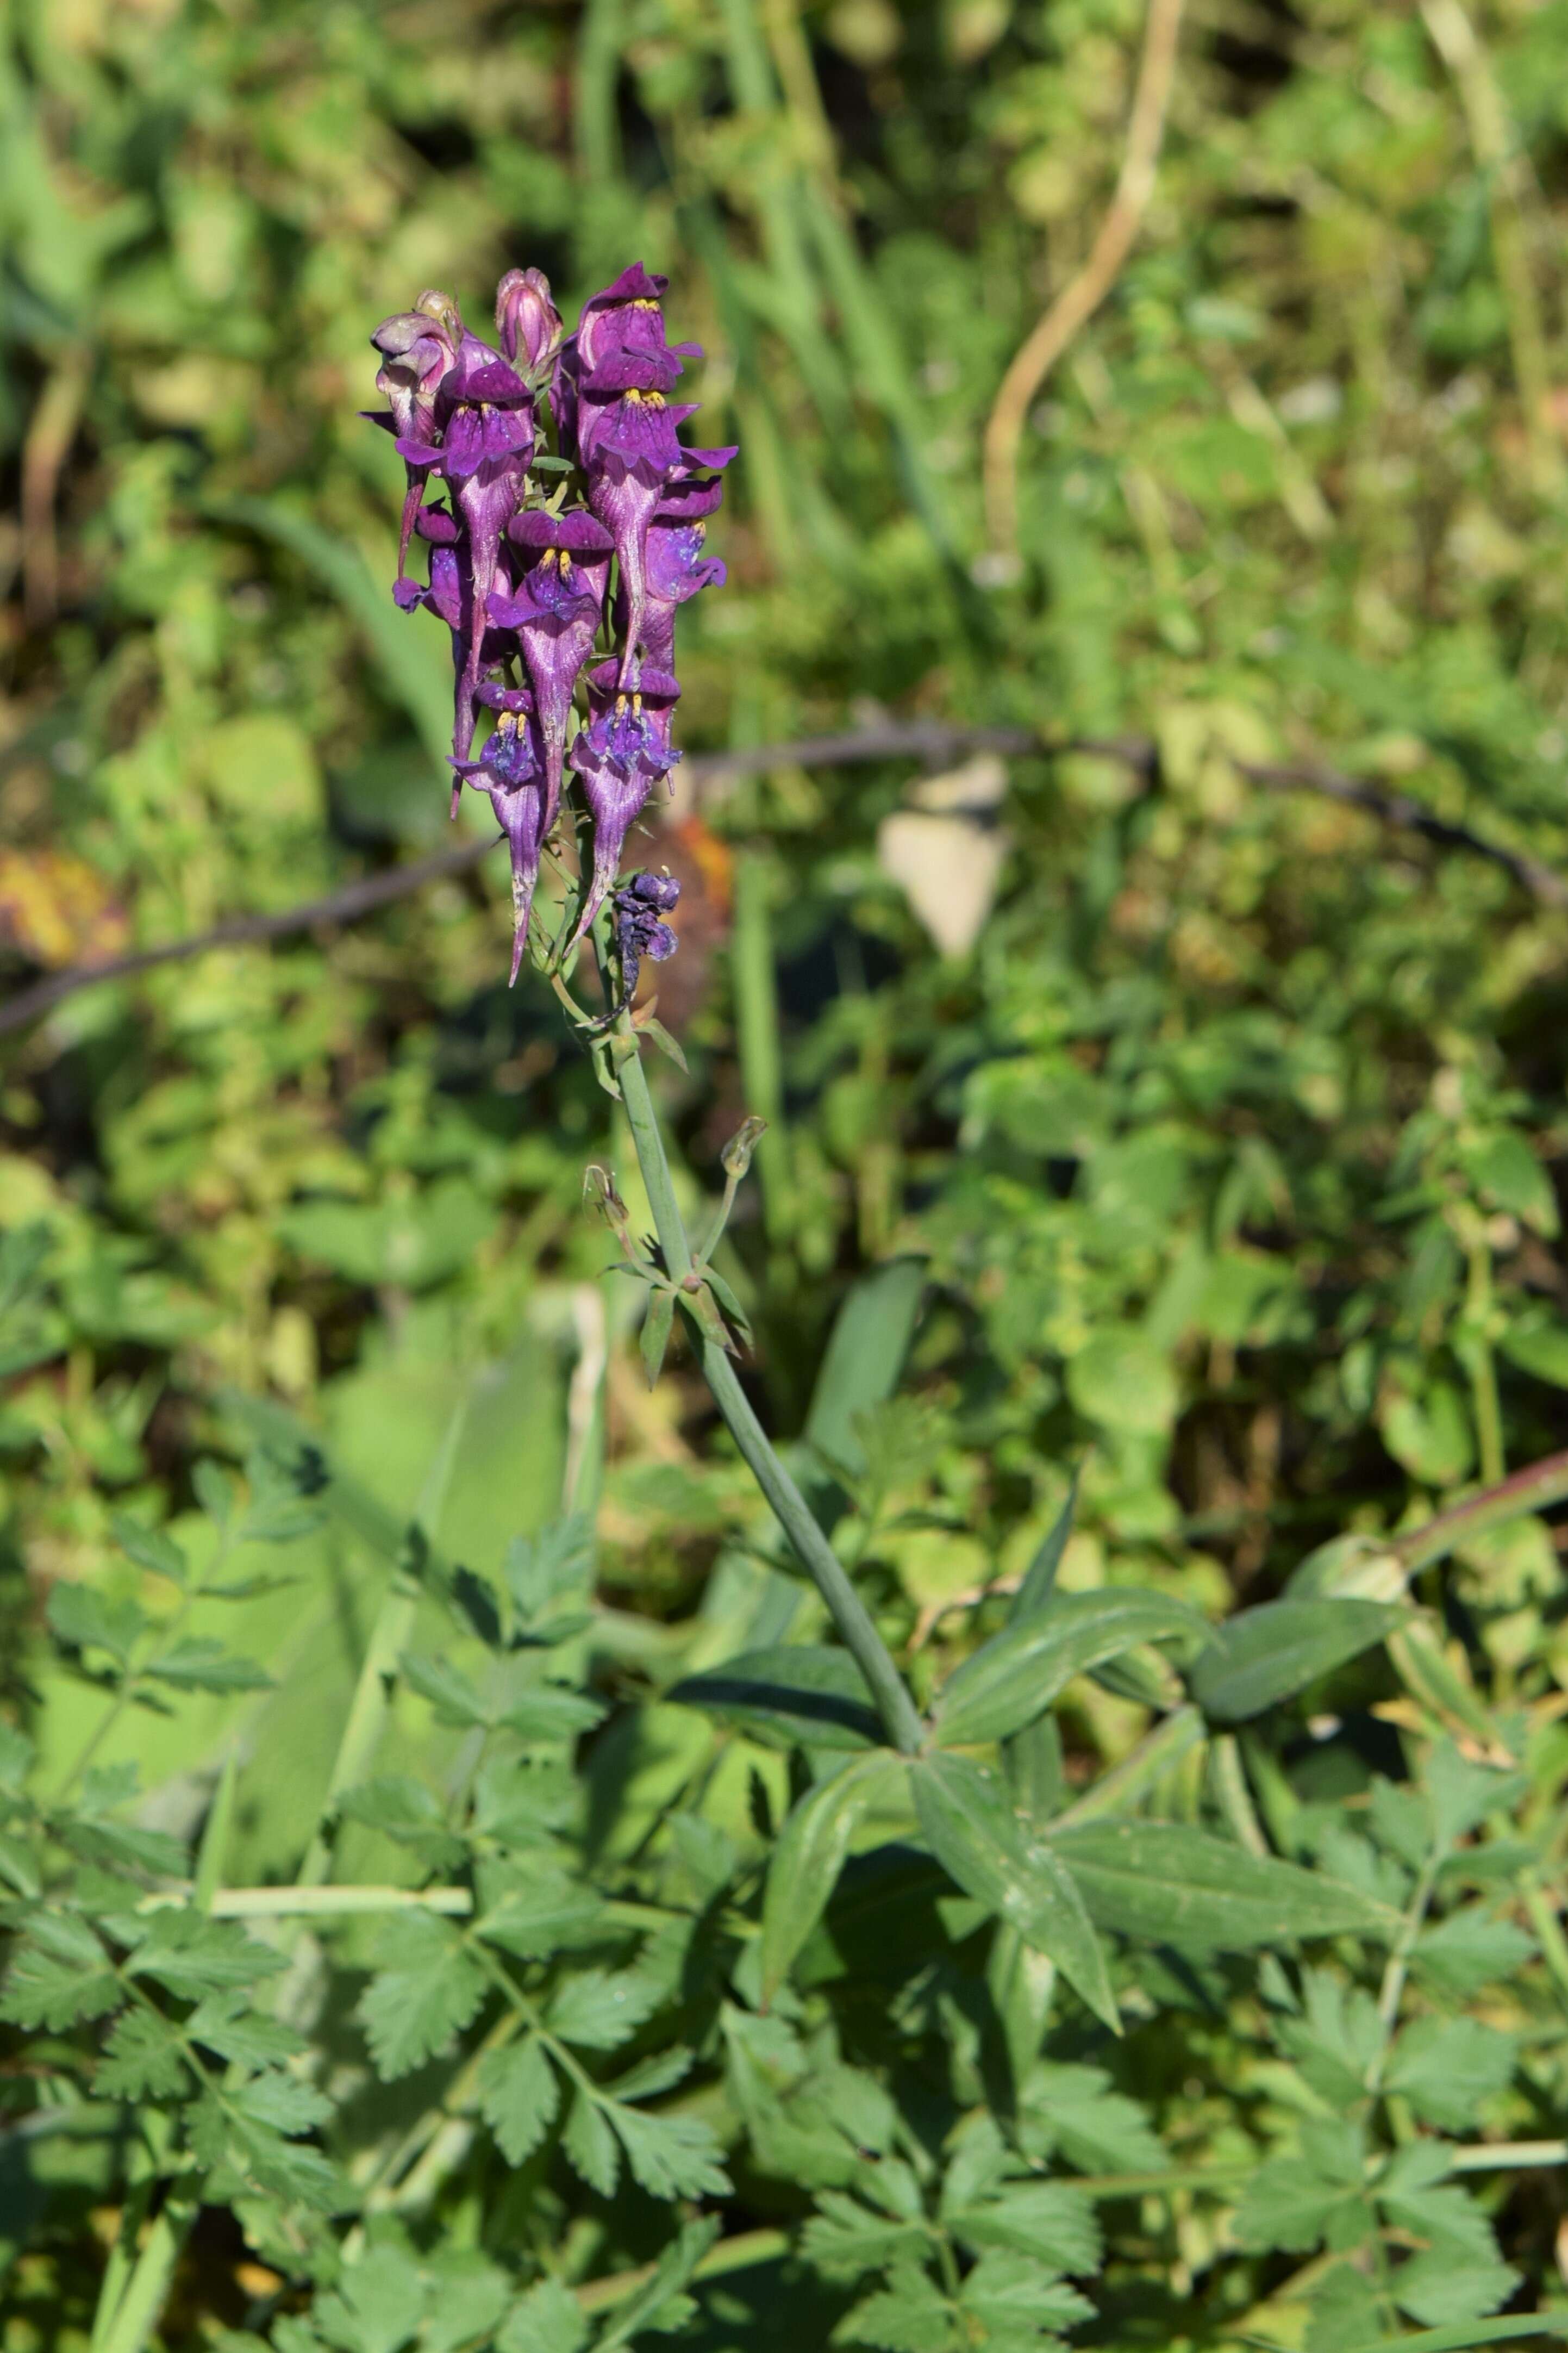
x=1230, y=1120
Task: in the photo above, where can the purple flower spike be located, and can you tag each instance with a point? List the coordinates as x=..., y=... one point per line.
x=522, y=586
x=556, y=611
x=618, y=758
x=511, y=770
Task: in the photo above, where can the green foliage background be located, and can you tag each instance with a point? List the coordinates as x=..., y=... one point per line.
x=1233, y=1146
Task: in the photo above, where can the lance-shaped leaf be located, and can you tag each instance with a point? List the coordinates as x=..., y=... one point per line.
x=804, y=1693
x=1039, y=1585
x=1015, y=1677
x=1267, y=1655
x=1173, y=1885
x=810, y=1855
x=656, y=1325
x=977, y=1838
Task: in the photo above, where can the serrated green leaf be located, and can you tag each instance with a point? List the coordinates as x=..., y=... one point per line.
x=980, y=1843
x=408, y=1811
x=226, y=2022
x=192, y=1956
x=42, y=1987
x=548, y=2319
x=448, y=1691
x=591, y=2147
x=518, y=2097
x=1172, y=1884
x=843, y=2239
x=660, y=2072
x=1049, y=2220
x=84, y=1619
x=1467, y=1950
x=197, y=1662
x=142, y=2060
x=1447, y=2067
x=906, y=2317
x=19, y=1866
x=550, y=1712
x=671, y=2156
x=1268, y=1654
x=282, y=2103
x=1296, y=2202
x=428, y=1992
x=805, y=1693
x=810, y=1854
x=1014, y=2298
x=1015, y=1677
x=600, y=2008
x=1335, y=2040
x=151, y=1548
x=1101, y=2130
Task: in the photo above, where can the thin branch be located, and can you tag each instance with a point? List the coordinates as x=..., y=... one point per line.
x=1083, y=295
x=923, y=739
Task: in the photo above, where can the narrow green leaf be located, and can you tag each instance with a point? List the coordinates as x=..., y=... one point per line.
x=1268, y=1654
x=804, y=1693
x=1466, y=2335
x=865, y=1355
x=1172, y=1884
x=1040, y=1580
x=655, y=1329
x=1015, y=1677
x=810, y=1854
x=980, y=1842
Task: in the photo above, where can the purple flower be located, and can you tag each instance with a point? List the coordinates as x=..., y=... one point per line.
x=555, y=610
x=640, y=905
x=617, y=371
x=675, y=568
x=511, y=771
x=618, y=758
x=484, y=416
x=418, y=346
x=527, y=322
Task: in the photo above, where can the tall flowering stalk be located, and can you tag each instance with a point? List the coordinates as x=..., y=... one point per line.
x=523, y=537
x=559, y=572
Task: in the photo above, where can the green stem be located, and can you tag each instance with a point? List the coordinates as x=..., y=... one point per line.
x=822, y=1564
x=732, y=2255
x=1529, y=1489
x=1392, y=1991
x=757, y=1031
x=390, y=1637
x=136, y=2314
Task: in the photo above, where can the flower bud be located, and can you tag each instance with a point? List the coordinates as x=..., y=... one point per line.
x=526, y=321
x=736, y=1156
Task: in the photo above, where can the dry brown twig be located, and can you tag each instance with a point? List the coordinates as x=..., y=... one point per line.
x=923, y=739
x=51, y=430
x=1083, y=294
